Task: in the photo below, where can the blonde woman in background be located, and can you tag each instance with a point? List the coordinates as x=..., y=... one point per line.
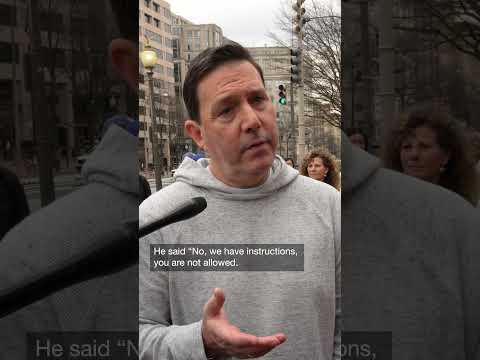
x=321, y=165
x=431, y=145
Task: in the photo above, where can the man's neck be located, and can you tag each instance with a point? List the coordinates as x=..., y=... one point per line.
x=241, y=182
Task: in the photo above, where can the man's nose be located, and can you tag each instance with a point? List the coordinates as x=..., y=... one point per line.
x=250, y=119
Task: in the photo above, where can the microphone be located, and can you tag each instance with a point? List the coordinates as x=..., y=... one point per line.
x=116, y=253
x=188, y=210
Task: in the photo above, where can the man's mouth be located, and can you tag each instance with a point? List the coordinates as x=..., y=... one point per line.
x=256, y=144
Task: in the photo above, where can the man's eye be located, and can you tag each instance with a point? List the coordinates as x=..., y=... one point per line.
x=225, y=111
x=259, y=98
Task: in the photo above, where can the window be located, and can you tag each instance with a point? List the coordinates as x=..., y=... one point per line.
x=6, y=15
x=175, y=47
x=153, y=36
x=160, y=84
x=157, y=22
x=155, y=6
x=146, y=3
x=176, y=72
x=148, y=19
x=6, y=52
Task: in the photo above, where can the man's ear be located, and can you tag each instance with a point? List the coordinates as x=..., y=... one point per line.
x=194, y=130
x=124, y=58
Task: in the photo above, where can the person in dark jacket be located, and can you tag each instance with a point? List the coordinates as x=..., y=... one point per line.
x=13, y=202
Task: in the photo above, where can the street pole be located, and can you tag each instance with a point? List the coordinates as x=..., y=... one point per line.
x=16, y=119
x=386, y=92
x=301, y=20
x=301, y=110
x=169, y=154
x=156, y=147
x=42, y=123
x=292, y=110
x=353, y=95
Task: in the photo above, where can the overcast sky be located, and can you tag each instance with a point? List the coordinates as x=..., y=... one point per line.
x=245, y=21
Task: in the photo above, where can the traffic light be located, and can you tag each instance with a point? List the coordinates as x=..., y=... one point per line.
x=300, y=19
x=282, y=95
x=295, y=69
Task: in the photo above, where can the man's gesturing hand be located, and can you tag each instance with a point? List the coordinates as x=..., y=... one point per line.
x=220, y=338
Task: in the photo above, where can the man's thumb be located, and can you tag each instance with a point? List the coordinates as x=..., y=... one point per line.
x=215, y=303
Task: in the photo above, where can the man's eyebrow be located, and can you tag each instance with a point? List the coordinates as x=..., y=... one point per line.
x=225, y=99
x=221, y=100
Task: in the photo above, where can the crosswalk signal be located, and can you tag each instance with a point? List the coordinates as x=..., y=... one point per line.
x=282, y=95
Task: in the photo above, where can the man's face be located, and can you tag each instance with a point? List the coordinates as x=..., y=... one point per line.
x=238, y=128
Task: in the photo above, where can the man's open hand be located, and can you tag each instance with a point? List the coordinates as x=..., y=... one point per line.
x=220, y=338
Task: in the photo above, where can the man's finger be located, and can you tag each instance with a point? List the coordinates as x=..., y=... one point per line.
x=247, y=340
x=215, y=303
x=263, y=345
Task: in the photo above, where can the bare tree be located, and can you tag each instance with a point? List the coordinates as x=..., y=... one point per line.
x=322, y=51
x=456, y=22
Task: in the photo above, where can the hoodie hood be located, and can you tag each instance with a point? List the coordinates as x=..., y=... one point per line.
x=114, y=161
x=197, y=174
x=357, y=166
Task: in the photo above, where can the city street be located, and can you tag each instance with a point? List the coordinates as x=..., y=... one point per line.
x=165, y=182
x=64, y=184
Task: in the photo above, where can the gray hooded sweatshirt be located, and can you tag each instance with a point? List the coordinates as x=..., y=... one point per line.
x=286, y=209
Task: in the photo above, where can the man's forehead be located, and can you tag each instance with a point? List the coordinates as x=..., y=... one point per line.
x=230, y=74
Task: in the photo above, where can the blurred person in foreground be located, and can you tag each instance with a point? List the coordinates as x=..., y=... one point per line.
x=13, y=202
x=321, y=165
x=410, y=266
x=475, y=146
x=253, y=197
x=89, y=216
x=431, y=145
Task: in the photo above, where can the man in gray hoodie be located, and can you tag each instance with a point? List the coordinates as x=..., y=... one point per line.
x=253, y=198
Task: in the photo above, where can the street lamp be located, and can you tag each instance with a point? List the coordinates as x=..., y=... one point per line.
x=149, y=59
x=169, y=154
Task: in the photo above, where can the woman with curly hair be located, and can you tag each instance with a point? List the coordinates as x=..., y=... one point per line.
x=321, y=165
x=432, y=146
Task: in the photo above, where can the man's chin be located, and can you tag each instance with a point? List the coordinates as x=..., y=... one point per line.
x=261, y=165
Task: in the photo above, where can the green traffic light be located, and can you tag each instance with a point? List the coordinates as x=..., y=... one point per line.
x=282, y=101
